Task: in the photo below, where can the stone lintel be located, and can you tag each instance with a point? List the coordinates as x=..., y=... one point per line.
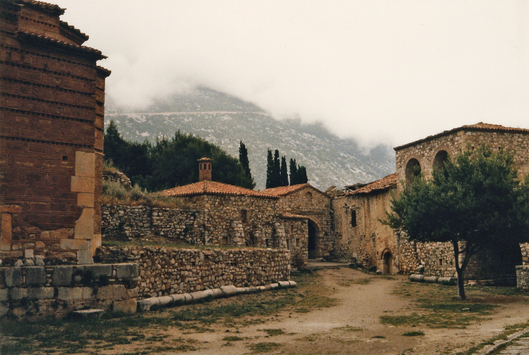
x=10, y=209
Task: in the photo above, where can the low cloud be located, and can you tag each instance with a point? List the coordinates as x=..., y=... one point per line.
x=381, y=72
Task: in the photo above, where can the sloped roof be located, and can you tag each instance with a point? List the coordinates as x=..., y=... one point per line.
x=41, y=5
x=488, y=127
x=68, y=46
x=286, y=190
x=385, y=183
x=212, y=188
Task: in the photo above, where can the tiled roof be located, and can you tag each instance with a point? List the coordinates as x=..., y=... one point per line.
x=39, y=38
x=385, y=183
x=84, y=36
x=212, y=188
x=41, y=5
x=475, y=127
x=285, y=190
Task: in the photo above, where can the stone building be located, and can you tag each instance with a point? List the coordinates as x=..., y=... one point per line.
x=360, y=236
x=306, y=211
x=51, y=135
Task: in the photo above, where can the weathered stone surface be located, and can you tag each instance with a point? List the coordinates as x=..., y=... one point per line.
x=98, y=269
x=13, y=276
x=127, y=271
x=229, y=290
x=125, y=306
x=62, y=275
x=4, y=294
x=35, y=275
x=18, y=293
x=417, y=278
x=41, y=292
x=70, y=293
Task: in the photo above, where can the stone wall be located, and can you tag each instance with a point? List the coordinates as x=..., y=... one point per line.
x=165, y=271
x=135, y=221
x=42, y=290
x=239, y=220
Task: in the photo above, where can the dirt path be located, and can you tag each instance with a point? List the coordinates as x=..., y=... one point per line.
x=353, y=325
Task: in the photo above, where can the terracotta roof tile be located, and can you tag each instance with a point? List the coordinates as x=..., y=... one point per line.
x=475, y=127
x=285, y=190
x=42, y=5
x=34, y=37
x=212, y=188
x=385, y=183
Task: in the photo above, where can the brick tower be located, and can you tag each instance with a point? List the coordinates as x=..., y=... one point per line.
x=204, y=169
x=51, y=135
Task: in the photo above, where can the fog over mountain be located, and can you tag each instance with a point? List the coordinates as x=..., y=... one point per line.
x=225, y=120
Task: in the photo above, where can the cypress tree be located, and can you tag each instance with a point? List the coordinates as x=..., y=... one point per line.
x=277, y=170
x=245, y=163
x=293, y=172
x=269, y=170
x=284, y=172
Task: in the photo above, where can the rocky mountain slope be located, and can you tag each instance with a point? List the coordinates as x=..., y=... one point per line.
x=225, y=120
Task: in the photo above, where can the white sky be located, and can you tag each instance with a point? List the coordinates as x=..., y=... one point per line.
x=381, y=71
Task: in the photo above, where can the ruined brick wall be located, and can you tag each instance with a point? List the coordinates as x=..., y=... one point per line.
x=360, y=236
x=316, y=206
x=51, y=134
x=166, y=271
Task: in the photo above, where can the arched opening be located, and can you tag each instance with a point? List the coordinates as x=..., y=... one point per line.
x=387, y=261
x=308, y=198
x=312, y=240
x=439, y=160
x=413, y=169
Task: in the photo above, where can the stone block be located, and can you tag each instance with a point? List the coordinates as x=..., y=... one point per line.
x=83, y=184
x=70, y=293
x=85, y=199
x=18, y=293
x=84, y=226
x=84, y=257
x=98, y=269
x=62, y=275
x=87, y=293
x=4, y=310
x=217, y=292
x=188, y=298
x=126, y=271
x=229, y=290
x=13, y=277
x=85, y=164
x=35, y=275
x=430, y=279
x=416, y=278
x=126, y=306
x=29, y=253
x=76, y=244
x=10, y=209
x=178, y=299
x=4, y=294
x=41, y=292
x=165, y=300
x=146, y=304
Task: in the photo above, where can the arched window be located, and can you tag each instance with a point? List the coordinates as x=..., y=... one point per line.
x=308, y=197
x=440, y=158
x=413, y=169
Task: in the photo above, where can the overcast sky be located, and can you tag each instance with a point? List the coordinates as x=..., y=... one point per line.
x=382, y=71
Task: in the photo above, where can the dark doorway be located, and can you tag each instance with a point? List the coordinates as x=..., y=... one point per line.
x=388, y=260
x=312, y=240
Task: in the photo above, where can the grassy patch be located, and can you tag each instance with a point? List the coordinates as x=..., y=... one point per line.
x=264, y=347
x=438, y=308
x=413, y=334
x=273, y=332
x=147, y=331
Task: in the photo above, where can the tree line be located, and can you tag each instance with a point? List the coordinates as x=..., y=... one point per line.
x=277, y=172
x=173, y=162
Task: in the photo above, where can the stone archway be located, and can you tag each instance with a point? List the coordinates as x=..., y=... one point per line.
x=440, y=158
x=387, y=261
